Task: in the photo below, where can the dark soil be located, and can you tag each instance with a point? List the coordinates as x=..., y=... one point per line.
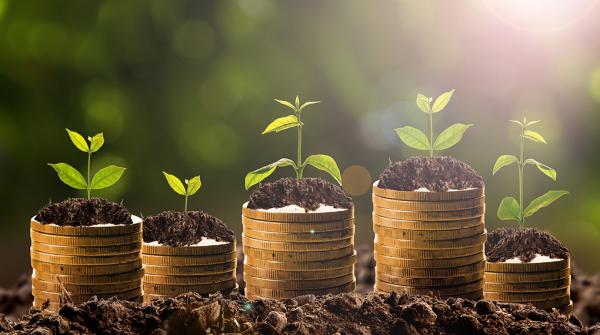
x=437, y=174
x=16, y=300
x=83, y=212
x=507, y=243
x=179, y=229
x=308, y=193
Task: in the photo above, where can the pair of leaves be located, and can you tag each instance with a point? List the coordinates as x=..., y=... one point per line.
x=506, y=160
x=80, y=143
x=297, y=107
x=193, y=185
x=416, y=139
x=424, y=103
x=104, y=178
x=510, y=210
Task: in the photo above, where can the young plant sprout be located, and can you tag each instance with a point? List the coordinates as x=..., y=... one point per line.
x=510, y=208
x=321, y=162
x=193, y=185
x=104, y=178
x=416, y=139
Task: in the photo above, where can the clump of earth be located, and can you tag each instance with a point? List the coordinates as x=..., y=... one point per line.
x=84, y=212
x=178, y=229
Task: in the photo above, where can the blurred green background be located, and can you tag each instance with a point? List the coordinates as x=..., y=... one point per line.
x=188, y=86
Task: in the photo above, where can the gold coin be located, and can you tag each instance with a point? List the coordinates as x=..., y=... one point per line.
x=193, y=250
x=81, y=298
x=149, y=297
x=55, y=287
x=90, y=280
x=426, y=225
x=427, y=196
x=253, y=292
x=114, y=250
x=83, y=260
x=305, y=266
x=566, y=310
x=456, y=290
x=524, y=297
x=190, y=270
x=526, y=277
x=475, y=295
x=91, y=231
x=429, y=263
x=295, y=256
x=427, y=206
x=189, y=280
x=432, y=273
x=542, y=286
x=427, y=282
x=431, y=216
x=428, y=235
x=528, y=267
x=327, y=236
x=74, y=241
x=296, y=275
x=173, y=290
x=432, y=245
x=298, y=285
x=85, y=270
x=263, y=215
x=305, y=227
x=188, y=260
x=427, y=254
x=296, y=246
x=553, y=303
x=55, y=306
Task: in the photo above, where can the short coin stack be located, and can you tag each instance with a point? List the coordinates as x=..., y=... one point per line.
x=294, y=254
x=204, y=269
x=75, y=263
x=430, y=242
x=545, y=285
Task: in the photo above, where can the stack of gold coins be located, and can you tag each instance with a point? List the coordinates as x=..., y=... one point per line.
x=293, y=254
x=203, y=268
x=430, y=242
x=545, y=285
x=75, y=263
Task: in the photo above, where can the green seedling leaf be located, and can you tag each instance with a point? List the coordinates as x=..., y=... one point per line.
x=543, y=201
x=450, y=136
x=531, y=123
x=193, y=185
x=534, y=136
x=297, y=102
x=78, y=140
x=308, y=103
x=325, y=163
x=517, y=122
x=260, y=174
x=509, y=209
x=503, y=161
x=423, y=103
x=69, y=175
x=413, y=137
x=441, y=101
x=96, y=142
x=106, y=177
x=286, y=104
x=545, y=169
x=175, y=183
x=282, y=123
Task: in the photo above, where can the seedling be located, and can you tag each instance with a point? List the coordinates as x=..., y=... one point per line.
x=104, y=178
x=416, y=139
x=509, y=208
x=321, y=162
x=193, y=185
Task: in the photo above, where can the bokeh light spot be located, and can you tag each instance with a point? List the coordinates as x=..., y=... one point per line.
x=105, y=109
x=594, y=84
x=357, y=180
x=214, y=143
x=194, y=39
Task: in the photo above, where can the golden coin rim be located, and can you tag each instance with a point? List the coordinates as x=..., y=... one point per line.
x=535, y=287
x=156, y=289
x=295, y=256
x=162, y=270
x=427, y=253
x=39, y=294
x=528, y=267
x=296, y=246
x=525, y=297
x=527, y=277
x=328, y=236
x=192, y=250
x=429, y=263
x=458, y=215
x=298, y=285
x=437, y=291
x=86, y=241
x=86, y=270
x=259, y=272
x=188, y=260
x=433, y=245
x=85, y=289
x=115, y=250
x=189, y=280
x=432, y=273
x=429, y=235
x=302, y=265
x=83, y=260
x=427, y=196
x=295, y=227
x=87, y=231
x=427, y=282
x=427, y=206
x=91, y=279
x=425, y=225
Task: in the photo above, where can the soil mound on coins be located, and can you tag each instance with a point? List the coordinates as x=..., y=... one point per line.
x=507, y=243
x=350, y=313
x=179, y=229
x=437, y=174
x=308, y=193
x=84, y=212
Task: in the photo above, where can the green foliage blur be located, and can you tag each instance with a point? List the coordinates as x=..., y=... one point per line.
x=187, y=87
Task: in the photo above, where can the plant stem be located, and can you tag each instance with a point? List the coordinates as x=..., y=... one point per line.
x=89, y=186
x=430, y=135
x=521, y=186
x=299, y=167
x=186, y=201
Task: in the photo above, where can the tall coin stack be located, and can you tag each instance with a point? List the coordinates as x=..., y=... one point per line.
x=204, y=269
x=545, y=285
x=430, y=242
x=294, y=254
x=75, y=263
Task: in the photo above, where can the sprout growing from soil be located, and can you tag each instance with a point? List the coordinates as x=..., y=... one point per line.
x=510, y=208
x=193, y=185
x=104, y=178
x=321, y=162
x=416, y=139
